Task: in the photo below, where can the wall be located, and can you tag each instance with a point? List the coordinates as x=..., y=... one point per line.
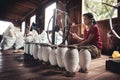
x=109, y=43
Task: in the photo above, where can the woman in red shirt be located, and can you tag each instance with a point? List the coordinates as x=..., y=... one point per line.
x=91, y=40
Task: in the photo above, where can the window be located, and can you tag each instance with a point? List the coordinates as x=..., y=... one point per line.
x=99, y=10
x=32, y=19
x=48, y=15
x=3, y=26
x=23, y=27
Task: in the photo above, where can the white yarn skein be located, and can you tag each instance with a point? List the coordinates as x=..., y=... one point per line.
x=45, y=54
x=72, y=60
x=52, y=56
x=35, y=47
x=85, y=58
x=40, y=51
x=60, y=55
x=26, y=48
x=35, y=54
x=31, y=48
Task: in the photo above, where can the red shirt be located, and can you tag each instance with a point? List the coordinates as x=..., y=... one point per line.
x=96, y=39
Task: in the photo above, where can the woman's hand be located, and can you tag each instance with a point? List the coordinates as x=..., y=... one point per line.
x=75, y=36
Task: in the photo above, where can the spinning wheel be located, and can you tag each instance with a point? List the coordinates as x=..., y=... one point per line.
x=60, y=27
x=112, y=26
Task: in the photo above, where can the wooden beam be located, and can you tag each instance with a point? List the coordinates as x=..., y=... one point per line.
x=27, y=4
x=28, y=14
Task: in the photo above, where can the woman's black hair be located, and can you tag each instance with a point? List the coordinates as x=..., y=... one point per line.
x=90, y=16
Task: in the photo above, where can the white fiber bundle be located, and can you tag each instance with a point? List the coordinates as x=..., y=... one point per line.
x=7, y=43
x=31, y=48
x=58, y=37
x=8, y=31
x=29, y=39
x=60, y=55
x=35, y=46
x=36, y=39
x=19, y=42
x=52, y=56
x=43, y=37
x=46, y=52
x=35, y=51
x=8, y=38
x=40, y=51
x=26, y=48
x=34, y=32
x=72, y=59
x=85, y=58
x=11, y=33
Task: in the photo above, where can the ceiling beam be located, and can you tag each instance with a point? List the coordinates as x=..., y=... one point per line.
x=28, y=14
x=27, y=4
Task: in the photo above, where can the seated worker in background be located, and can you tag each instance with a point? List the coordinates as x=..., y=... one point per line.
x=12, y=37
x=91, y=40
